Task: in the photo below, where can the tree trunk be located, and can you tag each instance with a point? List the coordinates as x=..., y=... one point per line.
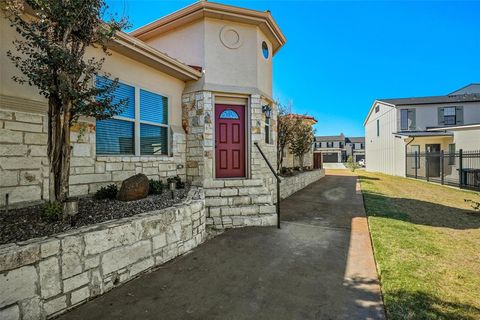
x=59, y=148
x=300, y=160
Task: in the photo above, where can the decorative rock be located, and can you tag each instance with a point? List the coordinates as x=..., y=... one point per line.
x=134, y=188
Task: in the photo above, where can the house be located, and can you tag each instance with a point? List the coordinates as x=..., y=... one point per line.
x=199, y=89
x=397, y=127
x=340, y=148
x=290, y=160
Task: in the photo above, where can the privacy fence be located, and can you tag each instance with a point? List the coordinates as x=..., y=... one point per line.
x=460, y=168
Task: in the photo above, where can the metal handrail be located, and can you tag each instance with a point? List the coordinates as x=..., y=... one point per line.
x=278, y=182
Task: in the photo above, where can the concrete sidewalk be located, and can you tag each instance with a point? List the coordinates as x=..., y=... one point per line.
x=318, y=266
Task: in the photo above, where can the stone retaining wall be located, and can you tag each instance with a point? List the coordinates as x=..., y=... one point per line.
x=44, y=277
x=290, y=185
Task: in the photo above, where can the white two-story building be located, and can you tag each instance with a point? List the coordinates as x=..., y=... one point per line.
x=395, y=127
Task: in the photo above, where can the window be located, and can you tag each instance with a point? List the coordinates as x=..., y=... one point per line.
x=330, y=144
x=378, y=128
x=340, y=144
x=451, y=153
x=141, y=129
x=268, y=130
x=229, y=114
x=377, y=108
x=265, y=50
x=407, y=119
x=415, y=159
x=449, y=116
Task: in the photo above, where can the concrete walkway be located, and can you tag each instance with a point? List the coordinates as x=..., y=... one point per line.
x=318, y=266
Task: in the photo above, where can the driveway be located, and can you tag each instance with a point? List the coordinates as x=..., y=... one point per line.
x=333, y=165
x=318, y=266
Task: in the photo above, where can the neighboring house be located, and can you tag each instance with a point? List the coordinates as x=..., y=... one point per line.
x=291, y=161
x=199, y=90
x=339, y=148
x=394, y=127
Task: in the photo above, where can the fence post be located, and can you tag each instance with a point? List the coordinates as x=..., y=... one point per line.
x=460, y=167
x=427, y=166
x=416, y=165
x=442, y=170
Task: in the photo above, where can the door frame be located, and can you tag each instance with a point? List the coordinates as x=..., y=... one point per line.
x=238, y=100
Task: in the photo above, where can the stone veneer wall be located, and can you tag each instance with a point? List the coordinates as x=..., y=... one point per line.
x=24, y=164
x=290, y=185
x=44, y=277
x=238, y=202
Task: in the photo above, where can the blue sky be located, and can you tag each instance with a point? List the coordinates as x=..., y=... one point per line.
x=342, y=55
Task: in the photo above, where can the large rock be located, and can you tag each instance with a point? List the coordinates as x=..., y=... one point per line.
x=134, y=188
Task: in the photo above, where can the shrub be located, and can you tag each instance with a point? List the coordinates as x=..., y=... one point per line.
x=352, y=164
x=52, y=210
x=156, y=186
x=179, y=184
x=108, y=192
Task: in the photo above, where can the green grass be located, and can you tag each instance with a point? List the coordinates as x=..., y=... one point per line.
x=426, y=241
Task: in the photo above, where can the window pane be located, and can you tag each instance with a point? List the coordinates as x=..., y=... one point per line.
x=123, y=91
x=153, y=140
x=450, y=111
x=449, y=120
x=114, y=137
x=153, y=107
x=404, y=119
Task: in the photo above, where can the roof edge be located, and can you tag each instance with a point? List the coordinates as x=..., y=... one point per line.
x=202, y=9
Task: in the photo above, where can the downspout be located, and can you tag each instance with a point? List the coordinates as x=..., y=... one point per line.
x=406, y=158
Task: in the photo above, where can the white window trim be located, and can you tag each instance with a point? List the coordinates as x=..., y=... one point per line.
x=137, y=121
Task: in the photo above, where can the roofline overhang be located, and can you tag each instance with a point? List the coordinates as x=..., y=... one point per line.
x=136, y=49
x=467, y=126
x=202, y=9
x=406, y=135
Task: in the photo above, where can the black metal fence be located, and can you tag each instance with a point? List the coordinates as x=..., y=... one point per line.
x=459, y=168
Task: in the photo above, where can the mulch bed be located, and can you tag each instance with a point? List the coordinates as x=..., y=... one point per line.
x=26, y=223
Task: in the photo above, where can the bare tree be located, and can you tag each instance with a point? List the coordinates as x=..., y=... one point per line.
x=285, y=129
x=302, y=139
x=51, y=55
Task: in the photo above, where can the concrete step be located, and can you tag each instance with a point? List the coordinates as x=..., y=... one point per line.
x=214, y=184
x=238, y=200
x=246, y=210
x=236, y=191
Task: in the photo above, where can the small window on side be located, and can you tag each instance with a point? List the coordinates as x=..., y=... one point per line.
x=378, y=128
x=377, y=108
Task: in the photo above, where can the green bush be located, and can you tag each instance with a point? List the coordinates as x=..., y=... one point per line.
x=178, y=182
x=108, y=192
x=52, y=210
x=156, y=186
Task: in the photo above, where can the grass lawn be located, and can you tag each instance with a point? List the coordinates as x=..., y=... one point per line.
x=427, y=247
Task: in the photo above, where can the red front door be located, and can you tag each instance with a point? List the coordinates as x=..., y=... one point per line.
x=229, y=141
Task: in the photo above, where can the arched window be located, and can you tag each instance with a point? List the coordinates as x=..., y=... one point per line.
x=229, y=114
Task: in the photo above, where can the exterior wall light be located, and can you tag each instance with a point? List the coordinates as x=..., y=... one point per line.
x=267, y=110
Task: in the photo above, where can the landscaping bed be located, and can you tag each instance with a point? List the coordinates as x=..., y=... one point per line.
x=426, y=241
x=26, y=223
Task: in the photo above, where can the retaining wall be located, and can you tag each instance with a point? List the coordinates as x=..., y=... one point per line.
x=290, y=185
x=44, y=277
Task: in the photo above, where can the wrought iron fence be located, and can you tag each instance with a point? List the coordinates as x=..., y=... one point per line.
x=459, y=168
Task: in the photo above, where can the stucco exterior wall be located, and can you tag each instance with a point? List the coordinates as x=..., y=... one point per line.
x=186, y=43
x=229, y=65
